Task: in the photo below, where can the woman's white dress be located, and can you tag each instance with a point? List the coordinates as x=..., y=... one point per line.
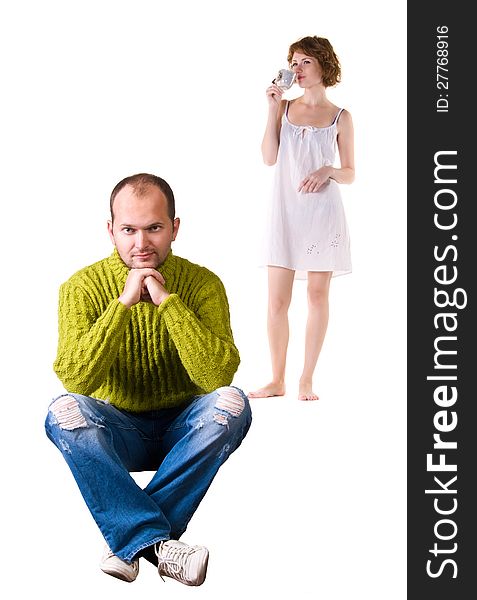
x=306, y=231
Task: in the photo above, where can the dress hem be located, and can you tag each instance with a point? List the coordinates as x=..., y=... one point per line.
x=301, y=273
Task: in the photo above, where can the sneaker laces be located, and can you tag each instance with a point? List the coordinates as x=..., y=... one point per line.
x=174, y=561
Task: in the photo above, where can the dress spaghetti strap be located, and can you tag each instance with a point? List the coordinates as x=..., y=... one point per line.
x=335, y=120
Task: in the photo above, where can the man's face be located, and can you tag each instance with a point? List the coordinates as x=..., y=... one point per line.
x=142, y=230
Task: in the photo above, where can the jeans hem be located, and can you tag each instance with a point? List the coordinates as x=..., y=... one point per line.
x=130, y=557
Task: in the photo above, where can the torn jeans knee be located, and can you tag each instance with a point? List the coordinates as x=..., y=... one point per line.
x=230, y=401
x=67, y=413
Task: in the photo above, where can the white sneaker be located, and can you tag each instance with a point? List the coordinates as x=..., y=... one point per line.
x=184, y=563
x=112, y=565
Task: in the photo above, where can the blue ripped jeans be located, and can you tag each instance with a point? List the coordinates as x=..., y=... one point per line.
x=185, y=446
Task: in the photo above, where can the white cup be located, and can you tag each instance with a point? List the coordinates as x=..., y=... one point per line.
x=285, y=79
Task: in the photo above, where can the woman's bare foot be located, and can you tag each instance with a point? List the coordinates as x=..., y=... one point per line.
x=272, y=389
x=305, y=392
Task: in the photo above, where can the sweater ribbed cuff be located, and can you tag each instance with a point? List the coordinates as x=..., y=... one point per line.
x=173, y=309
x=116, y=312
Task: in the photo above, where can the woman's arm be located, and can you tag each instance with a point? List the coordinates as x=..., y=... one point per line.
x=345, y=174
x=271, y=137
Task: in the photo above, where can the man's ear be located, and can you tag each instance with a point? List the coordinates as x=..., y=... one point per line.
x=110, y=231
x=175, y=227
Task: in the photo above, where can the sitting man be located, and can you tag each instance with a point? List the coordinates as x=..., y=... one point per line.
x=146, y=356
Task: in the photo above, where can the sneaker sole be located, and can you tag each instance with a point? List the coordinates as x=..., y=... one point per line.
x=205, y=564
x=118, y=574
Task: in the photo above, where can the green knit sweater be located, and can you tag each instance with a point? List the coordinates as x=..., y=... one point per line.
x=146, y=357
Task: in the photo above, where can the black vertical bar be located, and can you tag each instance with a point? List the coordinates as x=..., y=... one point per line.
x=442, y=261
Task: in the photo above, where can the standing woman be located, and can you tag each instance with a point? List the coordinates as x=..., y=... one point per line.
x=307, y=228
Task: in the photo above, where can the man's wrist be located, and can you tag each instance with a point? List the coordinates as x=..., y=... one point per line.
x=162, y=298
x=124, y=302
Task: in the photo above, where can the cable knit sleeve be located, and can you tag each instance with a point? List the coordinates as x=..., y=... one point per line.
x=203, y=336
x=88, y=342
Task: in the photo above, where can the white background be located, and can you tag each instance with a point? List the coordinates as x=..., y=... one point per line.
x=313, y=503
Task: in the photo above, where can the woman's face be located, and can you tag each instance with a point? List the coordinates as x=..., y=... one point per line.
x=307, y=68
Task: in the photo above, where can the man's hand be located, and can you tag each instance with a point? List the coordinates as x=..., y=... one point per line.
x=146, y=285
x=155, y=289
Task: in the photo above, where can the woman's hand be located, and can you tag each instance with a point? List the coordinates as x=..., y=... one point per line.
x=274, y=96
x=314, y=181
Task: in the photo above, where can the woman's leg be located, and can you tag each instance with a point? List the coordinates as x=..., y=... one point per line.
x=280, y=284
x=317, y=323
